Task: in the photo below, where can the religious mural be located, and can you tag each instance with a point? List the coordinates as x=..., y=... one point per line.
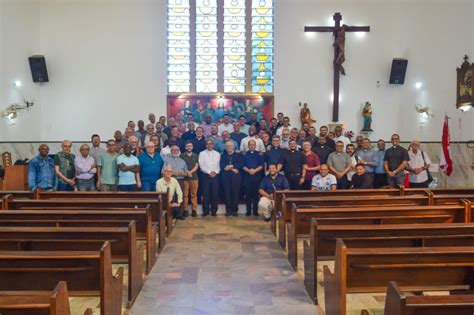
x=217, y=106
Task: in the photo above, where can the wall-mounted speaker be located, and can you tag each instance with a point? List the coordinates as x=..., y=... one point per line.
x=399, y=70
x=39, y=72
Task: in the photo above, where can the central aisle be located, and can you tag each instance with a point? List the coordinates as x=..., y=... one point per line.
x=222, y=266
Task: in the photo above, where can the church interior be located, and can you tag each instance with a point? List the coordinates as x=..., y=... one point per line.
x=117, y=117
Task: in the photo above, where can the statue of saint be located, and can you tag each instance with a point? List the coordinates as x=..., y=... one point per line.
x=305, y=115
x=367, y=113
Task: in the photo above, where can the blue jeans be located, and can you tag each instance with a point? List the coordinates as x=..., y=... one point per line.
x=85, y=184
x=148, y=186
x=128, y=187
x=64, y=187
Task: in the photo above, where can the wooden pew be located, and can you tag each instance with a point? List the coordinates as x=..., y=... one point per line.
x=37, y=302
x=18, y=194
x=322, y=241
x=278, y=197
x=351, y=201
x=443, y=199
x=86, y=273
x=123, y=240
x=301, y=218
x=8, y=203
x=398, y=303
x=437, y=191
x=93, y=218
x=368, y=270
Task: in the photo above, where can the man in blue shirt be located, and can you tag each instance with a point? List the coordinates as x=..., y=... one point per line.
x=253, y=167
x=231, y=178
x=368, y=158
x=270, y=183
x=380, y=177
x=41, y=172
x=151, y=164
x=129, y=170
x=221, y=144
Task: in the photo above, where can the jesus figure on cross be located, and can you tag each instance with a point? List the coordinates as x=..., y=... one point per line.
x=339, y=33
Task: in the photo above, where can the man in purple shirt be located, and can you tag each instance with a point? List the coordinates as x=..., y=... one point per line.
x=85, y=169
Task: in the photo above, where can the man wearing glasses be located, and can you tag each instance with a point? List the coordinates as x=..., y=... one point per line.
x=151, y=164
x=64, y=167
x=395, y=161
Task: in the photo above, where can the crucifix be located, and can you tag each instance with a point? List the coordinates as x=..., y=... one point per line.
x=339, y=33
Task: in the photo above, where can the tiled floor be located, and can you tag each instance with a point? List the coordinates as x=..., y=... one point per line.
x=223, y=266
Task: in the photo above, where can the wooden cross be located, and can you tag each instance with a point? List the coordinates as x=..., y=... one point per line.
x=339, y=42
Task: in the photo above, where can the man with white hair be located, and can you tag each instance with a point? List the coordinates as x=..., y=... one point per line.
x=231, y=167
x=175, y=195
x=136, y=150
x=418, y=166
x=64, y=167
x=150, y=129
x=86, y=169
x=253, y=164
x=151, y=164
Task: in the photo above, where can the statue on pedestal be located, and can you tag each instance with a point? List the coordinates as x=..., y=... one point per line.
x=305, y=115
x=367, y=114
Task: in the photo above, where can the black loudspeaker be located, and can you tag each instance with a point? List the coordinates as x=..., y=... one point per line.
x=38, y=69
x=399, y=69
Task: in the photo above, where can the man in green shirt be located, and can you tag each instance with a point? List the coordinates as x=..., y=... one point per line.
x=107, y=169
x=191, y=182
x=64, y=167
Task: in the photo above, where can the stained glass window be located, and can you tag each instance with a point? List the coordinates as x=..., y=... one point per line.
x=262, y=46
x=206, y=46
x=234, y=46
x=231, y=44
x=178, y=46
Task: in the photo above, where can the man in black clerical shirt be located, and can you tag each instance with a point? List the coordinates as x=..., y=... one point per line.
x=360, y=179
x=294, y=164
x=231, y=164
x=324, y=133
x=395, y=161
x=322, y=150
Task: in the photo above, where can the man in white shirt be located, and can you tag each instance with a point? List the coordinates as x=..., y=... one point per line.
x=225, y=126
x=209, y=162
x=244, y=147
x=286, y=125
x=324, y=181
x=340, y=137
x=418, y=166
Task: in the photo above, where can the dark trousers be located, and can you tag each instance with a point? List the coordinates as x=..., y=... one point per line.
x=128, y=187
x=210, y=193
x=343, y=182
x=294, y=181
x=380, y=180
x=178, y=211
x=306, y=185
x=419, y=185
x=231, y=183
x=251, y=185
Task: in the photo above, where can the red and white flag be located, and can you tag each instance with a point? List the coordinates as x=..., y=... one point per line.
x=445, y=162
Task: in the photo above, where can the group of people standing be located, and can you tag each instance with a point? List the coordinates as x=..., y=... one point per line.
x=227, y=161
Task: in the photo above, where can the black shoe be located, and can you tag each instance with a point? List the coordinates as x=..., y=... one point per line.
x=228, y=214
x=214, y=214
x=267, y=219
x=185, y=214
x=194, y=214
x=256, y=214
x=248, y=214
x=235, y=214
x=205, y=214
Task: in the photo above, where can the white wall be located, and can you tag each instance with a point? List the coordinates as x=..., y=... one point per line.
x=107, y=63
x=432, y=35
